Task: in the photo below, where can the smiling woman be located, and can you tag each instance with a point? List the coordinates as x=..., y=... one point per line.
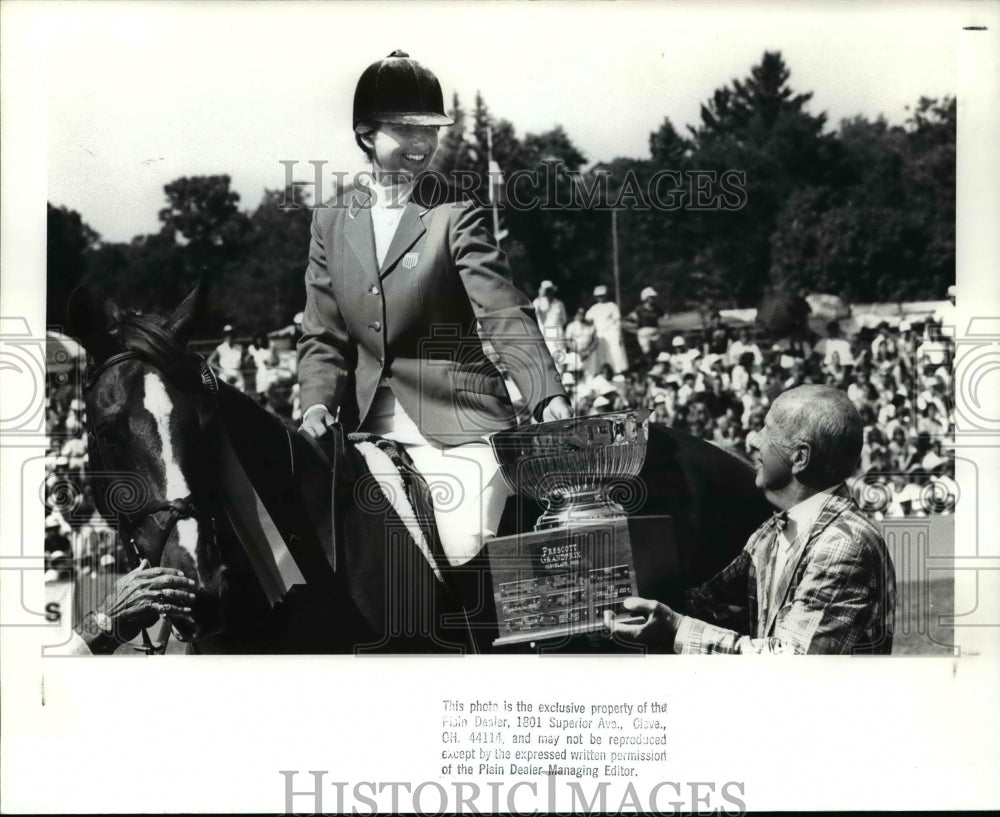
x=401, y=292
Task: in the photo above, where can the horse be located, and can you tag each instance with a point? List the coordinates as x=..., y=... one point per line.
x=181, y=458
x=166, y=437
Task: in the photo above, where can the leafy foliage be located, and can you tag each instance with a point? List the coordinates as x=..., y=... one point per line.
x=865, y=211
x=69, y=240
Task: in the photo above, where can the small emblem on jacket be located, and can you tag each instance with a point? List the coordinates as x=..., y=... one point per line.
x=410, y=260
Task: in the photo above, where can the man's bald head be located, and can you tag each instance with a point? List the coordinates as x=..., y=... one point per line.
x=829, y=423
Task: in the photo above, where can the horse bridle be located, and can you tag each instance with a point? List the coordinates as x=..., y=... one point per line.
x=178, y=509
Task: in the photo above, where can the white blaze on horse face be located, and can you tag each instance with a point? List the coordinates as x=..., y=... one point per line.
x=157, y=402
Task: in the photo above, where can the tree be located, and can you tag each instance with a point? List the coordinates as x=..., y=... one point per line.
x=761, y=127
x=264, y=288
x=203, y=233
x=887, y=232
x=68, y=241
x=203, y=210
x=454, y=151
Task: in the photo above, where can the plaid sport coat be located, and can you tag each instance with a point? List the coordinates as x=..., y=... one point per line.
x=836, y=594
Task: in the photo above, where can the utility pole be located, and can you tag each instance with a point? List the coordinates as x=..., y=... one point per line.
x=607, y=174
x=614, y=255
x=495, y=177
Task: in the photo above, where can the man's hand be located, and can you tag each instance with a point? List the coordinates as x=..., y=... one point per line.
x=658, y=629
x=140, y=596
x=557, y=408
x=316, y=420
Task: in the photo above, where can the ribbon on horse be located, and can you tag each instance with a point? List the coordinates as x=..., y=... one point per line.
x=269, y=555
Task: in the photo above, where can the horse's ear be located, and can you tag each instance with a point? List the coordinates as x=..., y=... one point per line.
x=181, y=322
x=89, y=324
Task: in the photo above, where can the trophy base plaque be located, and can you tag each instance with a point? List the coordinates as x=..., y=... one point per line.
x=556, y=583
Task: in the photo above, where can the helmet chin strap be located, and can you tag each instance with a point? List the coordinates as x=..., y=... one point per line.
x=397, y=178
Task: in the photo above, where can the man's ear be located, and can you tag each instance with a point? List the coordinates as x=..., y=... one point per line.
x=801, y=457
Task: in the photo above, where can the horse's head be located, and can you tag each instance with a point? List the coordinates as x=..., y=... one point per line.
x=150, y=408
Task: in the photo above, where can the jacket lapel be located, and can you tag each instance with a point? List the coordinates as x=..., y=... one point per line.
x=358, y=229
x=835, y=505
x=411, y=227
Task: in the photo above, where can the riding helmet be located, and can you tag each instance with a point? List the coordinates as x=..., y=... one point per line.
x=400, y=91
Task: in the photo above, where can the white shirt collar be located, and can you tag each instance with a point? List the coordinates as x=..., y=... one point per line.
x=391, y=196
x=801, y=517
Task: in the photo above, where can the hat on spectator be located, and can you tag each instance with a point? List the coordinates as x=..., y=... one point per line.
x=678, y=341
x=227, y=329
x=600, y=289
x=602, y=402
x=710, y=360
x=648, y=292
x=546, y=285
x=660, y=398
x=568, y=379
x=76, y=404
x=663, y=357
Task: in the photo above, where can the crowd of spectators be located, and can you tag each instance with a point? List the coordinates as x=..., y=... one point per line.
x=716, y=383
x=73, y=527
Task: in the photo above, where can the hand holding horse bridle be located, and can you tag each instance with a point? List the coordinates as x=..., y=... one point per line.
x=138, y=598
x=145, y=593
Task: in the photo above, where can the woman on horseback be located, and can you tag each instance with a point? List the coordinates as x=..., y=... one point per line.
x=405, y=287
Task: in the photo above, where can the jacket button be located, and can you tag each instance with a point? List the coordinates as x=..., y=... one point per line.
x=374, y=290
x=376, y=326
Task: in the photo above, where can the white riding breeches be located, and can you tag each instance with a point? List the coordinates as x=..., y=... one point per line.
x=467, y=489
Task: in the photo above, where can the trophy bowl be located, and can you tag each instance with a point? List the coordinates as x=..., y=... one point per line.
x=573, y=465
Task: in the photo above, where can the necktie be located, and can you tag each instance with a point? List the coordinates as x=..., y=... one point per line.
x=770, y=569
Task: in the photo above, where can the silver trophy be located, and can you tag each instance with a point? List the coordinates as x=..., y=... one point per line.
x=560, y=579
x=574, y=466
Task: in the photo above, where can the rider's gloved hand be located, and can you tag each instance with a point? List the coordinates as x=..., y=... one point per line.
x=316, y=420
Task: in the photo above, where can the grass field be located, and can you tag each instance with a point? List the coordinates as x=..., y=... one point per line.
x=922, y=597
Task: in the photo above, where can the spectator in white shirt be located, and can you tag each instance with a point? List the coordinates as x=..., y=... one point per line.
x=227, y=358
x=836, y=345
x=606, y=317
x=743, y=344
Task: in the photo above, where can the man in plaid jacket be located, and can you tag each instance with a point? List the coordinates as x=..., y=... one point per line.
x=815, y=578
